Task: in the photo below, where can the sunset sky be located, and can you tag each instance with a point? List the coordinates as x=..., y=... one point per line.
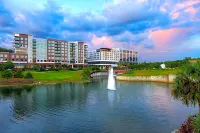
x=158, y=29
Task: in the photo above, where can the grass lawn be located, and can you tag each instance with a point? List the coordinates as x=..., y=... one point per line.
x=151, y=72
x=54, y=76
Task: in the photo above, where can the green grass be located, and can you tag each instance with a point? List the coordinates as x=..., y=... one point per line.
x=54, y=76
x=151, y=72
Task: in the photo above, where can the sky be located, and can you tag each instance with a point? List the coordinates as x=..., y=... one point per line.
x=159, y=30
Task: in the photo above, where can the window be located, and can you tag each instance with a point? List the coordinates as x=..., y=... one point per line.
x=22, y=38
x=25, y=38
x=5, y=56
x=17, y=56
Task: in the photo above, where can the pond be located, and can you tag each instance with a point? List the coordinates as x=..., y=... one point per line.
x=139, y=107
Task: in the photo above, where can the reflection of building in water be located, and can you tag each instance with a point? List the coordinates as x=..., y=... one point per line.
x=49, y=96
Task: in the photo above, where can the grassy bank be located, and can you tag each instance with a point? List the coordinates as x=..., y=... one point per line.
x=56, y=76
x=151, y=72
x=47, y=77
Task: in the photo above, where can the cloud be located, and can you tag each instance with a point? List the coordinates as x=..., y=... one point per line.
x=160, y=26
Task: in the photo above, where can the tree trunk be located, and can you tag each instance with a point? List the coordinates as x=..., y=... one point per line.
x=199, y=106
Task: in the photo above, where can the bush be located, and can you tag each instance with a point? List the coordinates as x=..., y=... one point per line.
x=2, y=67
x=36, y=68
x=8, y=65
x=18, y=74
x=28, y=75
x=86, y=73
x=25, y=66
x=7, y=74
x=196, y=123
x=60, y=68
x=186, y=127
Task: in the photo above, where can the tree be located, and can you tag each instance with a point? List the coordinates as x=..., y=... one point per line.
x=8, y=65
x=5, y=50
x=28, y=75
x=187, y=85
x=36, y=68
x=7, y=74
x=18, y=74
x=2, y=67
x=25, y=66
x=86, y=72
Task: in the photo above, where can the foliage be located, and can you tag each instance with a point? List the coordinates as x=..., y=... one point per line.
x=86, y=73
x=7, y=74
x=60, y=68
x=8, y=65
x=6, y=50
x=156, y=65
x=186, y=127
x=2, y=67
x=36, y=68
x=187, y=85
x=18, y=74
x=25, y=66
x=196, y=123
x=28, y=75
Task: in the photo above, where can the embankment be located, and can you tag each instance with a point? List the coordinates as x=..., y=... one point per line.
x=166, y=79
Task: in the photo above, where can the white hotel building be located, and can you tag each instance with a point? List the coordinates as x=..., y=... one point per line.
x=108, y=56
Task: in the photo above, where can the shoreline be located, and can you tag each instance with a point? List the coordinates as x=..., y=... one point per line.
x=33, y=82
x=161, y=78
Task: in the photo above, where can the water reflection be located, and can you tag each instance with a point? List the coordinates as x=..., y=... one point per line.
x=111, y=97
x=84, y=107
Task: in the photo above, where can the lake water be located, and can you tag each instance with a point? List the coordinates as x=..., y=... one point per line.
x=91, y=108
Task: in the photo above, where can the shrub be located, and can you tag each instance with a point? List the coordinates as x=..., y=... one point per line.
x=60, y=68
x=2, y=67
x=28, y=75
x=36, y=68
x=196, y=123
x=8, y=65
x=18, y=74
x=25, y=66
x=86, y=73
x=186, y=127
x=7, y=74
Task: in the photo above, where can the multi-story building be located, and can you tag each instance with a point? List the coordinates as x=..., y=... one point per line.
x=108, y=56
x=45, y=51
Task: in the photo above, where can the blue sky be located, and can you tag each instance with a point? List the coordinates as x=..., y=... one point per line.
x=158, y=29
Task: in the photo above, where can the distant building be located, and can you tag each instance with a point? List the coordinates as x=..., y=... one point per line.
x=111, y=56
x=29, y=50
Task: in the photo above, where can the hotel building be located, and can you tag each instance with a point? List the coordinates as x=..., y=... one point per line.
x=29, y=50
x=108, y=56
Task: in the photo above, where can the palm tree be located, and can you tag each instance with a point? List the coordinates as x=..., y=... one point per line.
x=187, y=85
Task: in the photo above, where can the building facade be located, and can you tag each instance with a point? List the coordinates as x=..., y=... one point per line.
x=29, y=50
x=108, y=56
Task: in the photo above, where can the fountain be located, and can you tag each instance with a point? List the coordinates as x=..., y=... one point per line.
x=111, y=79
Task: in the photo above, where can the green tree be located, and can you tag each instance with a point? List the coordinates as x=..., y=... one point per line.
x=18, y=74
x=7, y=74
x=28, y=75
x=25, y=66
x=2, y=67
x=8, y=65
x=86, y=73
x=196, y=123
x=187, y=85
x=36, y=68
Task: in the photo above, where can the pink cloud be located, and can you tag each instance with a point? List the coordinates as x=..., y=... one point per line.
x=105, y=41
x=164, y=38
x=191, y=10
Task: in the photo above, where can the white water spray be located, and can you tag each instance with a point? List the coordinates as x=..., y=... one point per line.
x=111, y=79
